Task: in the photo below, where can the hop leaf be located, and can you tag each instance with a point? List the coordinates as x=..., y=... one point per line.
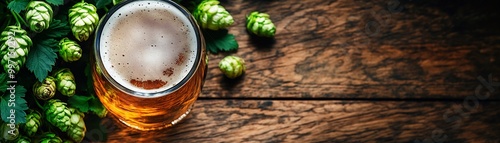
x=220, y=41
x=18, y=104
x=232, y=66
x=56, y=2
x=83, y=20
x=38, y=15
x=97, y=108
x=65, y=82
x=88, y=103
x=210, y=15
x=58, y=29
x=42, y=58
x=18, y=5
x=79, y=102
x=260, y=24
x=69, y=50
x=15, y=47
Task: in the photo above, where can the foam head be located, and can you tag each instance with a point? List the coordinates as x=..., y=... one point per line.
x=148, y=46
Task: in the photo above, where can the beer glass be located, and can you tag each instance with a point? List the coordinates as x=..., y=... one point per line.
x=148, y=63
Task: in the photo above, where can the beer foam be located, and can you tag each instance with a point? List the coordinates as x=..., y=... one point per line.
x=148, y=46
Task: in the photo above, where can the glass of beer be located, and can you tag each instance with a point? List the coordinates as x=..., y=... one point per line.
x=149, y=63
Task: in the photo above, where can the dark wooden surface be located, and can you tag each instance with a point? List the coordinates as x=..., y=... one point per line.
x=411, y=76
x=320, y=121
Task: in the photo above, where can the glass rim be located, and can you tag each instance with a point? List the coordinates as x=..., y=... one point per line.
x=185, y=79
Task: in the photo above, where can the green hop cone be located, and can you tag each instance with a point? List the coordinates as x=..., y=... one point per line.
x=69, y=50
x=76, y=130
x=8, y=132
x=210, y=15
x=83, y=20
x=232, y=66
x=46, y=89
x=15, y=45
x=58, y=114
x=33, y=122
x=38, y=15
x=260, y=24
x=65, y=82
x=22, y=139
x=49, y=138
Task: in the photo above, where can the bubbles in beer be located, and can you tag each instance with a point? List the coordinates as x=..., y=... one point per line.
x=150, y=49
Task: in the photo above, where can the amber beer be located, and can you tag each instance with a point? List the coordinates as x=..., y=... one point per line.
x=149, y=63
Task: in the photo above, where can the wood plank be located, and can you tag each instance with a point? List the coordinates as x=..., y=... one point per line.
x=322, y=49
x=320, y=121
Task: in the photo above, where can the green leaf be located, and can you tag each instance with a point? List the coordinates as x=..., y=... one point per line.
x=58, y=29
x=220, y=41
x=5, y=110
x=3, y=82
x=102, y=3
x=56, y=2
x=13, y=105
x=80, y=102
x=86, y=103
x=18, y=5
x=95, y=105
x=42, y=57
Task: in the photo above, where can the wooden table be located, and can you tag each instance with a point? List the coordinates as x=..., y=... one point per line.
x=350, y=71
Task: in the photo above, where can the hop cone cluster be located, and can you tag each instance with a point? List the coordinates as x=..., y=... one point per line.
x=15, y=45
x=33, y=122
x=46, y=89
x=76, y=130
x=65, y=82
x=22, y=139
x=38, y=15
x=67, y=119
x=83, y=20
x=49, y=138
x=232, y=66
x=69, y=50
x=210, y=15
x=58, y=114
x=260, y=24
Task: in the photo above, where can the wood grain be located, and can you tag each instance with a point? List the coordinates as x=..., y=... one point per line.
x=348, y=71
x=322, y=49
x=320, y=121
